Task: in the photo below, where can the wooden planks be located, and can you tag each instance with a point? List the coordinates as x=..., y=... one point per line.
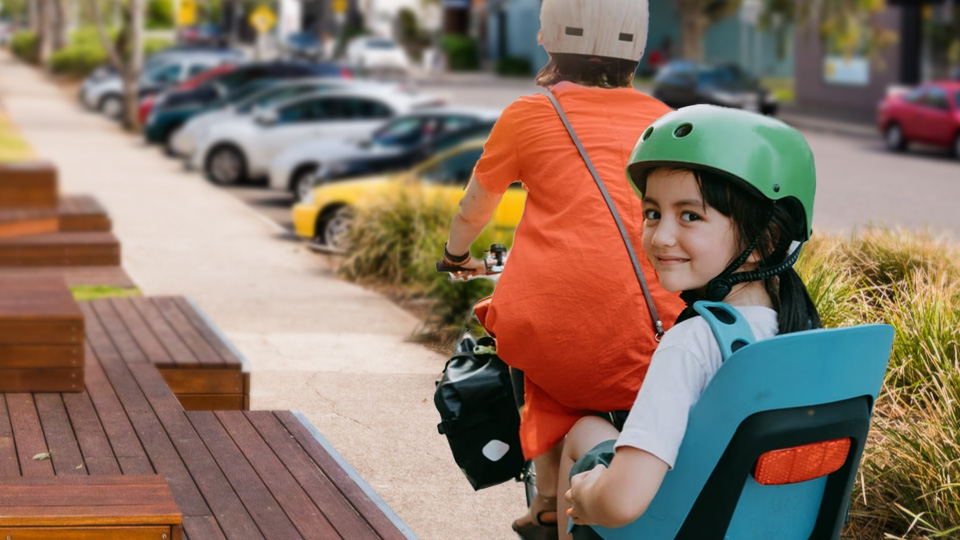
x=23, y=221
x=41, y=336
x=28, y=185
x=94, y=507
x=61, y=249
x=171, y=333
x=77, y=276
x=78, y=213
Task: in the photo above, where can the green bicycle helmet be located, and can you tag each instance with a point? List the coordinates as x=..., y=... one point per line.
x=765, y=156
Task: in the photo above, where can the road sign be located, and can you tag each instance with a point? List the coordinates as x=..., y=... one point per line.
x=262, y=19
x=340, y=6
x=187, y=13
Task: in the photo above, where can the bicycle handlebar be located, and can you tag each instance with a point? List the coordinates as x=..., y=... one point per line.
x=494, y=262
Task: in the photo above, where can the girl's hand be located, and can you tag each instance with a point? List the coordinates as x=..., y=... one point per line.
x=581, y=496
x=471, y=267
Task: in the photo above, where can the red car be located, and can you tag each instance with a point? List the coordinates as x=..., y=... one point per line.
x=146, y=104
x=929, y=114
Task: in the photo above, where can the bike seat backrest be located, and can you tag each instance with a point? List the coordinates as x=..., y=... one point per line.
x=784, y=392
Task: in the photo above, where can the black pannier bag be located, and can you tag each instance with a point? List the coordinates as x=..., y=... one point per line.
x=479, y=414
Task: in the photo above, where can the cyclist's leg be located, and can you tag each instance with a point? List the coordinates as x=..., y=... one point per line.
x=542, y=507
x=588, y=432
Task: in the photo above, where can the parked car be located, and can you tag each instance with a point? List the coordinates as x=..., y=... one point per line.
x=105, y=93
x=377, y=54
x=929, y=114
x=324, y=218
x=397, y=146
x=209, y=35
x=303, y=46
x=147, y=102
x=232, y=151
x=172, y=109
x=184, y=140
x=682, y=83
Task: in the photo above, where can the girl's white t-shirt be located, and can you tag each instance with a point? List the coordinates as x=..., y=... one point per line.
x=683, y=364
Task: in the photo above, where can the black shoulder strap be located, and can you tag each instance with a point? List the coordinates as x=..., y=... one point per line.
x=657, y=323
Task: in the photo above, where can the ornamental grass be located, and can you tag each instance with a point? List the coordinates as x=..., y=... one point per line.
x=908, y=485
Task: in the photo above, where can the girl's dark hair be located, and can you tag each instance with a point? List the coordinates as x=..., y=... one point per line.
x=776, y=226
x=586, y=70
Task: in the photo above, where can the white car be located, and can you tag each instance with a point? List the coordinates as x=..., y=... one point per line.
x=184, y=141
x=377, y=54
x=104, y=92
x=234, y=150
x=400, y=144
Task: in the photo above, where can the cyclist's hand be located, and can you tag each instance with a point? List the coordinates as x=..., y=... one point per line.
x=471, y=267
x=581, y=496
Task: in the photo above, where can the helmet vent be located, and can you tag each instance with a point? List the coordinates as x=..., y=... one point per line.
x=682, y=130
x=647, y=134
x=572, y=31
x=626, y=37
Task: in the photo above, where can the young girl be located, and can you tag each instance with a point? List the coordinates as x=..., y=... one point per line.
x=727, y=202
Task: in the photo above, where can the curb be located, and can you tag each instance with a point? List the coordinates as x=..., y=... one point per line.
x=825, y=126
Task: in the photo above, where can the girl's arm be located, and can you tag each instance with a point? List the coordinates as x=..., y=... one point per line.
x=619, y=495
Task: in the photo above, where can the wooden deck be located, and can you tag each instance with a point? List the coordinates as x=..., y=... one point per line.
x=28, y=185
x=61, y=249
x=234, y=474
x=82, y=213
x=200, y=366
x=76, y=276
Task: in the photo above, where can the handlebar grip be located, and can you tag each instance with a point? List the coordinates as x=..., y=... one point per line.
x=444, y=267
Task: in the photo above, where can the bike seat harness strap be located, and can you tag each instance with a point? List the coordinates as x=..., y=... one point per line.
x=729, y=327
x=657, y=323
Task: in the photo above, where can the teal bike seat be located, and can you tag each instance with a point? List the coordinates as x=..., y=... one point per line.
x=778, y=393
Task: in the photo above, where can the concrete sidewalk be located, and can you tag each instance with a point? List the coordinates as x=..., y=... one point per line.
x=332, y=350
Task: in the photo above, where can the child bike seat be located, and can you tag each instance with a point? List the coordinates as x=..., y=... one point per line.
x=773, y=445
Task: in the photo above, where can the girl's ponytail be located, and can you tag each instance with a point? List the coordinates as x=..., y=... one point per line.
x=797, y=311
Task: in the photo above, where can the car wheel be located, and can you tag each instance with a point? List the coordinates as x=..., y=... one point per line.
x=333, y=231
x=894, y=137
x=111, y=106
x=226, y=165
x=956, y=146
x=303, y=182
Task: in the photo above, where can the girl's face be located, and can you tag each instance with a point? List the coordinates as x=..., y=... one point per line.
x=688, y=242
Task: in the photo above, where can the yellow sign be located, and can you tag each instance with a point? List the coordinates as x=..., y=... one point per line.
x=187, y=13
x=262, y=19
x=339, y=6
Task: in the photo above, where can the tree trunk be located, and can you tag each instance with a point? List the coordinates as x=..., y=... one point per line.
x=134, y=64
x=34, y=15
x=61, y=25
x=693, y=24
x=45, y=31
x=104, y=36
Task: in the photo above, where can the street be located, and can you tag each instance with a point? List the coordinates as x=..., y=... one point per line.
x=859, y=182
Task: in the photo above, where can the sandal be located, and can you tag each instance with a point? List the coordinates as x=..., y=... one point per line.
x=537, y=529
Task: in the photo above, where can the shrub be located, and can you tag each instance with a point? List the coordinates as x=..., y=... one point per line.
x=160, y=14
x=514, y=67
x=77, y=61
x=25, y=46
x=461, y=53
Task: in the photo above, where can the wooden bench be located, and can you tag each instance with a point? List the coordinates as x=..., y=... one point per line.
x=61, y=249
x=88, y=508
x=199, y=365
x=23, y=221
x=28, y=185
x=234, y=474
x=82, y=213
x=76, y=276
x=41, y=336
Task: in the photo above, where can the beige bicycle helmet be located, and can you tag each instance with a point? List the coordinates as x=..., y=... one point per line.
x=609, y=28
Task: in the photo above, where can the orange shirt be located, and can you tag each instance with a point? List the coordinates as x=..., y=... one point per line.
x=567, y=309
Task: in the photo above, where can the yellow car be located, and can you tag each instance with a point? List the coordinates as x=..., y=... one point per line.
x=325, y=217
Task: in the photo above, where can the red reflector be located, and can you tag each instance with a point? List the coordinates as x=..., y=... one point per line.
x=801, y=463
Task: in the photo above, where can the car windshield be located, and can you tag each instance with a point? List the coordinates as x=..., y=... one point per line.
x=403, y=132
x=724, y=77
x=243, y=92
x=381, y=44
x=273, y=96
x=303, y=40
x=956, y=99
